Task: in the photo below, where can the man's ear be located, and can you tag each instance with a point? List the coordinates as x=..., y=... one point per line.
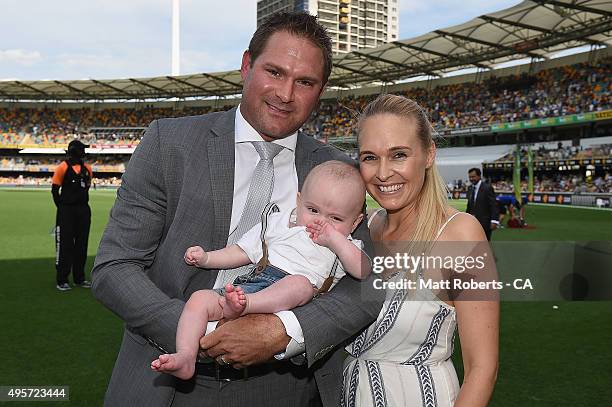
x=357, y=222
x=245, y=66
x=323, y=89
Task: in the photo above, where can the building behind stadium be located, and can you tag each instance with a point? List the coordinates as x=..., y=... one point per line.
x=352, y=24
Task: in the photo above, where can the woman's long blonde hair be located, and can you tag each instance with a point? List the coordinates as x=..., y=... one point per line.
x=432, y=201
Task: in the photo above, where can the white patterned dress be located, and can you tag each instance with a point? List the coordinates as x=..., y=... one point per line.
x=404, y=358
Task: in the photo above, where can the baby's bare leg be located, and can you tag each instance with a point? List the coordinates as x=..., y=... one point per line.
x=287, y=293
x=202, y=306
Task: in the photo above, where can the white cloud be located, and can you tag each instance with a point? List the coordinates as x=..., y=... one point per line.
x=124, y=38
x=193, y=61
x=84, y=60
x=131, y=38
x=135, y=63
x=20, y=56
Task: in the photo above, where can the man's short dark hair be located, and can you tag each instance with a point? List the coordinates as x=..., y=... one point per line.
x=76, y=149
x=300, y=24
x=476, y=170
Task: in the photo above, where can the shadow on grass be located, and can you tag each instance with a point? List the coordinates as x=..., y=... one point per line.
x=548, y=356
x=54, y=338
x=554, y=356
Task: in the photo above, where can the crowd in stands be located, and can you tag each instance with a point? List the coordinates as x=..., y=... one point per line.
x=562, y=153
x=99, y=163
x=28, y=181
x=562, y=183
x=560, y=91
x=552, y=92
x=10, y=138
x=578, y=88
x=575, y=183
x=49, y=124
x=25, y=181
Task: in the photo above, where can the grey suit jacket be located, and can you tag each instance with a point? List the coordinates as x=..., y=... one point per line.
x=177, y=191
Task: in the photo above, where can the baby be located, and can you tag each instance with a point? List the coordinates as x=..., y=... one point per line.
x=300, y=258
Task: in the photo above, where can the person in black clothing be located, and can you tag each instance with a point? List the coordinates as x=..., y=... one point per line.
x=481, y=202
x=70, y=190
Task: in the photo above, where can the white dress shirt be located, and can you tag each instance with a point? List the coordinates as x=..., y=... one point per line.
x=284, y=194
x=476, y=188
x=292, y=250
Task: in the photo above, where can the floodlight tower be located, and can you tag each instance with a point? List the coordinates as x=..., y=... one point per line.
x=176, y=61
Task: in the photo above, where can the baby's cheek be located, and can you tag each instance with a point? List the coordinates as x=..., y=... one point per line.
x=304, y=220
x=345, y=229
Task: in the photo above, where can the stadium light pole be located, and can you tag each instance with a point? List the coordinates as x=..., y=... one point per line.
x=176, y=62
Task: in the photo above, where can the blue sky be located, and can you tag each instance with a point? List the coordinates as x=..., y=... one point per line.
x=83, y=39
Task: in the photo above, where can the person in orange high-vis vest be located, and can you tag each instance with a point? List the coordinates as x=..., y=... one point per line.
x=70, y=190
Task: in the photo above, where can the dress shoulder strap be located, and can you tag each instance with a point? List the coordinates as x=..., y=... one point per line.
x=371, y=218
x=446, y=223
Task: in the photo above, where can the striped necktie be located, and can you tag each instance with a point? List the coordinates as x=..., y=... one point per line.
x=260, y=192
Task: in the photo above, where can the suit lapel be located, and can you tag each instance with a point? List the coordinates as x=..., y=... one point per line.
x=305, y=158
x=220, y=151
x=221, y=166
x=221, y=157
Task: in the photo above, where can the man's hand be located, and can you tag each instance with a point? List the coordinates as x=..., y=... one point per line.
x=323, y=233
x=248, y=340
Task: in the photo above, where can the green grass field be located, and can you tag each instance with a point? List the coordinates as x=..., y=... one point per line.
x=547, y=357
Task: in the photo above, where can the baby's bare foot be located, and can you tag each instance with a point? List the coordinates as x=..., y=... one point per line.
x=235, y=302
x=177, y=364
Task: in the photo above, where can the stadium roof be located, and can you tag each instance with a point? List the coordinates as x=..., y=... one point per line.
x=532, y=29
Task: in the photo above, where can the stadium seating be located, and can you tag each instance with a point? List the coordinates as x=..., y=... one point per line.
x=574, y=183
x=565, y=90
x=44, y=163
x=552, y=92
x=572, y=179
x=562, y=153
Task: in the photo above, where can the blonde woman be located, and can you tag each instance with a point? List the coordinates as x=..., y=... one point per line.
x=404, y=358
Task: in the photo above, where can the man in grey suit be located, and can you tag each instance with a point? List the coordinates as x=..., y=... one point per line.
x=185, y=184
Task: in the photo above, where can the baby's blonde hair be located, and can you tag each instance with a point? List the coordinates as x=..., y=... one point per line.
x=340, y=172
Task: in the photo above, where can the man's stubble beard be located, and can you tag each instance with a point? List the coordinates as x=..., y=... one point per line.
x=264, y=130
